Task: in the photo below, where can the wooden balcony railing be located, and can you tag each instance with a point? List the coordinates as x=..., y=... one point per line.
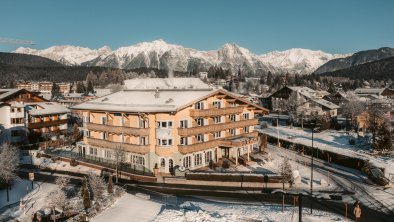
x=216, y=127
x=46, y=124
x=142, y=149
x=184, y=149
x=215, y=112
x=118, y=129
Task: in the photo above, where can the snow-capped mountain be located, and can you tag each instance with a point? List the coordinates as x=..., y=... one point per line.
x=299, y=60
x=68, y=55
x=162, y=55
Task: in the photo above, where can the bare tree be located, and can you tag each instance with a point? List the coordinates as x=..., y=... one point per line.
x=286, y=172
x=351, y=109
x=62, y=182
x=57, y=199
x=120, y=158
x=9, y=159
x=97, y=186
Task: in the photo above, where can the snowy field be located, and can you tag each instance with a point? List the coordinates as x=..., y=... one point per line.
x=130, y=208
x=333, y=141
x=234, y=212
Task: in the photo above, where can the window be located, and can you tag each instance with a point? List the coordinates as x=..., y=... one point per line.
x=12, y=110
x=245, y=116
x=200, y=121
x=200, y=138
x=187, y=161
x=232, y=132
x=86, y=133
x=217, y=104
x=217, y=134
x=93, y=151
x=232, y=118
x=183, y=141
x=164, y=142
x=104, y=135
x=19, y=110
x=17, y=120
x=86, y=119
x=208, y=156
x=103, y=120
x=246, y=129
x=143, y=123
x=217, y=119
x=232, y=104
x=162, y=162
x=15, y=133
x=108, y=154
x=183, y=124
x=198, y=159
x=164, y=124
x=143, y=141
x=137, y=160
x=199, y=105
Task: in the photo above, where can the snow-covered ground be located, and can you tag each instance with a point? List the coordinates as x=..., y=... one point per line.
x=333, y=141
x=35, y=199
x=130, y=208
x=58, y=165
x=229, y=212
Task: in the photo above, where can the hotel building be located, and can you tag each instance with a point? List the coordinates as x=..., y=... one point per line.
x=165, y=123
x=22, y=112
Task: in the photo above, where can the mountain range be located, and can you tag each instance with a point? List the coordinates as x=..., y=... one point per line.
x=356, y=59
x=162, y=55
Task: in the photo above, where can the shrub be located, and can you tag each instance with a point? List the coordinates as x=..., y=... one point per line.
x=73, y=162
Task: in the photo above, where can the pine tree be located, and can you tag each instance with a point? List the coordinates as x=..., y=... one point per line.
x=80, y=88
x=110, y=185
x=90, y=88
x=55, y=91
x=383, y=138
x=269, y=78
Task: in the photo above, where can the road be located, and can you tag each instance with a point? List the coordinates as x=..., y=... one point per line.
x=370, y=195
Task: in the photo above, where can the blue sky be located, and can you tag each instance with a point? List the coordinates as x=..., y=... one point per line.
x=336, y=26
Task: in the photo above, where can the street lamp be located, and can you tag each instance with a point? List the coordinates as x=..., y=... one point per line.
x=313, y=123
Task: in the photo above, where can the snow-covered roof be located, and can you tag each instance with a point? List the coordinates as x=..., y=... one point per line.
x=46, y=108
x=7, y=92
x=311, y=94
x=168, y=100
x=377, y=91
x=166, y=83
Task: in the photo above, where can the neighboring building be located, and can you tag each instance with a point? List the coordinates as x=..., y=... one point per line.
x=373, y=92
x=64, y=87
x=43, y=87
x=72, y=99
x=221, y=82
x=22, y=112
x=203, y=75
x=313, y=104
x=168, y=123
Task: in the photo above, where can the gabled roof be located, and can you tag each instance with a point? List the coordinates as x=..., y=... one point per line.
x=46, y=108
x=7, y=93
x=163, y=100
x=369, y=90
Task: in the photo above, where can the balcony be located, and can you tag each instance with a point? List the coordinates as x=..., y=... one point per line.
x=216, y=127
x=118, y=129
x=46, y=124
x=215, y=112
x=142, y=149
x=248, y=138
